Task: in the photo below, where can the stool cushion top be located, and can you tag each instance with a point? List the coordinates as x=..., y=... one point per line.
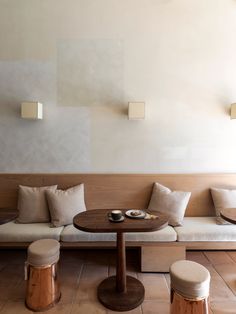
x=43, y=252
x=190, y=279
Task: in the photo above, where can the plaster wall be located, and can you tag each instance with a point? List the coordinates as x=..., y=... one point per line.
x=86, y=59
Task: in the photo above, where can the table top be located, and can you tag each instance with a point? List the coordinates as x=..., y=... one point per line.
x=7, y=215
x=229, y=214
x=96, y=220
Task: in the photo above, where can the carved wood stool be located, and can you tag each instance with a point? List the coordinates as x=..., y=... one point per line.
x=42, y=288
x=190, y=283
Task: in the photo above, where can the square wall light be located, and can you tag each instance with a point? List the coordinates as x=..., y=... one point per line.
x=32, y=110
x=233, y=111
x=136, y=111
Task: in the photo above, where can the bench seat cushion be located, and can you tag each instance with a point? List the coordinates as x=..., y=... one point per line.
x=204, y=229
x=12, y=232
x=71, y=234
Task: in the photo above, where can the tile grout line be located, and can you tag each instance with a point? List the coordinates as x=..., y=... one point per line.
x=77, y=285
x=230, y=257
x=220, y=277
x=215, y=270
x=223, y=278
x=3, y=305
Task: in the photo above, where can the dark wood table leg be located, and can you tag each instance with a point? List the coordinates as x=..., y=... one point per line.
x=121, y=292
x=121, y=263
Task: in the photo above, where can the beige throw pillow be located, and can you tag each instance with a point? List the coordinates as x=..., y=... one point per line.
x=223, y=198
x=172, y=203
x=64, y=205
x=32, y=204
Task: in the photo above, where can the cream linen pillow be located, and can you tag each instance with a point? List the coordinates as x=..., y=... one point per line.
x=64, y=205
x=32, y=204
x=172, y=203
x=223, y=198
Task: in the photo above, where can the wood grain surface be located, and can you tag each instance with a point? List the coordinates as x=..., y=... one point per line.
x=229, y=214
x=122, y=190
x=7, y=215
x=43, y=289
x=97, y=221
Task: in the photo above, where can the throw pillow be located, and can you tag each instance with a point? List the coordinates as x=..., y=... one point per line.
x=172, y=203
x=64, y=205
x=223, y=198
x=32, y=204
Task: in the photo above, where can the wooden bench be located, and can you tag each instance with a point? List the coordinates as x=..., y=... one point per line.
x=115, y=191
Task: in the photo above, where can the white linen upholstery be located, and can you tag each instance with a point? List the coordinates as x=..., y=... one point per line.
x=223, y=198
x=71, y=234
x=43, y=252
x=32, y=204
x=12, y=232
x=171, y=203
x=65, y=204
x=166, y=234
x=204, y=229
x=190, y=279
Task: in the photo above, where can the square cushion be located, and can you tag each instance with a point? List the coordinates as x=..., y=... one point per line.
x=64, y=205
x=32, y=204
x=172, y=203
x=223, y=198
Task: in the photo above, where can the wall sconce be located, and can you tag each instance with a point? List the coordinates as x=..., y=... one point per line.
x=233, y=111
x=32, y=110
x=136, y=111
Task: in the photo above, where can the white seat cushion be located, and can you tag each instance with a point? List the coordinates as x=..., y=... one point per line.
x=166, y=234
x=204, y=229
x=71, y=234
x=12, y=232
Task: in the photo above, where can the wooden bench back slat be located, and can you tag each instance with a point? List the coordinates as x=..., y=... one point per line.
x=122, y=190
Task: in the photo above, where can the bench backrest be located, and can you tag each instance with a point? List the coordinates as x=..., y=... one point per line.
x=122, y=190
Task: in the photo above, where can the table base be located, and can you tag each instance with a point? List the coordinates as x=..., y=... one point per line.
x=121, y=301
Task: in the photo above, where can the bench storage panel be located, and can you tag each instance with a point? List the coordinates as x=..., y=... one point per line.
x=159, y=259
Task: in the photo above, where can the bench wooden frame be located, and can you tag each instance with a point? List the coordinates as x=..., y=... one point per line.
x=115, y=191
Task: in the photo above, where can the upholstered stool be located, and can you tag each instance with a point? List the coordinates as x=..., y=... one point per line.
x=42, y=289
x=190, y=283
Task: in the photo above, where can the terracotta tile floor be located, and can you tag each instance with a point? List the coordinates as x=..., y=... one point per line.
x=82, y=270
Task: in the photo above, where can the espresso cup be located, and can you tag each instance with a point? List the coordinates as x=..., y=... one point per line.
x=116, y=214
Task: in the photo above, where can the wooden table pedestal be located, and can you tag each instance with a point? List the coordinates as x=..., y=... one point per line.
x=121, y=292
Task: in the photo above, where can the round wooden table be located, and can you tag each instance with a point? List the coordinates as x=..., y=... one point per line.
x=229, y=214
x=120, y=292
x=7, y=215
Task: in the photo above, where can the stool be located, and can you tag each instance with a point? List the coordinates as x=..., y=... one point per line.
x=190, y=283
x=42, y=288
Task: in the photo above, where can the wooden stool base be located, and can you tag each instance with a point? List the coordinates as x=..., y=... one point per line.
x=42, y=288
x=180, y=305
x=121, y=301
x=45, y=308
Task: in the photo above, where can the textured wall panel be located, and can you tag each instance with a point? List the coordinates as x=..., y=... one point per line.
x=59, y=142
x=90, y=72
x=86, y=59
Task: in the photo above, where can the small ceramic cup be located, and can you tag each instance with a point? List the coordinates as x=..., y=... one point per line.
x=116, y=214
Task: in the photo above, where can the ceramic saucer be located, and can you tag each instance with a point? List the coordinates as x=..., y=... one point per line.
x=135, y=213
x=118, y=220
